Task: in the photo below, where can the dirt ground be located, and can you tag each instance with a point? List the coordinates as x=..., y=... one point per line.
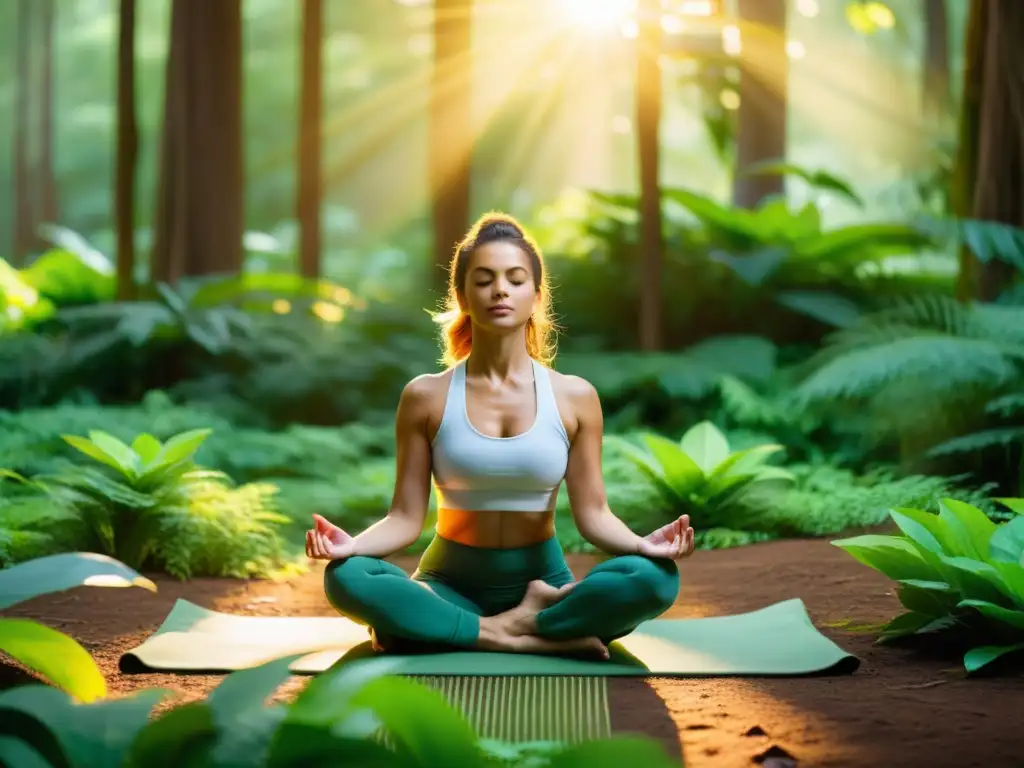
x=900, y=708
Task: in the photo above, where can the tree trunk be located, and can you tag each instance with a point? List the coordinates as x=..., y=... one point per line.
x=999, y=194
x=990, y=174
x=24, y=194
x=763, y=89
x=935, y=88
x=648, y=118
x=48, y=210
x=310, y=185
x=451, y=130
x=127, y=153
x=199, y=215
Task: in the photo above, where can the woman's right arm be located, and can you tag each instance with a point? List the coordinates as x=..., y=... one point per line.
x=404, y=521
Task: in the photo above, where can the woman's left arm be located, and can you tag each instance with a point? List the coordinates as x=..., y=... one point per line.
x=587, y=497
x=584, y=479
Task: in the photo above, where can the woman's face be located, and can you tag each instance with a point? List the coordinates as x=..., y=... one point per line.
x=499, y=289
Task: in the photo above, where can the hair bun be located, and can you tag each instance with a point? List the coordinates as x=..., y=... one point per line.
x=496, y=226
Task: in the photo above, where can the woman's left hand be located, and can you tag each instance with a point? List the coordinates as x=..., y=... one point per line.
x=672, y=541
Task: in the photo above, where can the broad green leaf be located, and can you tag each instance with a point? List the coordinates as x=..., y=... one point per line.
x=182, y=736
x=926, y=529
x=893, y=556
x=931, y=598
x=975, y=579
x=54, y=655
x=93, y=451
x=421, y=722
x=907, y=624
x=613, y=752
x=971, y=527
x=182, y=446
x=244, y=740
x=976, y=658
x=147, y=447
x=96, y=735
x=28, y=712
x=1007, y=543
x=1012, y=575
x=127, y=459
x=17, y=754
x=248, y=689
x=706, y=445
x=995, y=612
x=300, y=744
x=825, y=306
x=676, y=469
x=327, y=699
x=747, y=460
x=56, y=573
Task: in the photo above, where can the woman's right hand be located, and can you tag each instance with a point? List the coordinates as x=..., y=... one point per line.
x=326, y=541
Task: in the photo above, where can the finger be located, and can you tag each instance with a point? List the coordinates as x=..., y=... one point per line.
x=314, y=544
x=321, y=545
x=325, y=546
x=308, y=553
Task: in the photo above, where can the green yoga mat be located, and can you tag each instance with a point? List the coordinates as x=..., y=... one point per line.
x=776, y=640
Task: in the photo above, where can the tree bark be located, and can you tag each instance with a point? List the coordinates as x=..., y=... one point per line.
x=48, y=206
x=199, y=216
x=127, y=153
x=24, y=194
x=451, y=131
x=999, y=193
x=310, y=165
x=989, y=178
x=648, y=118
x=763, y=89
x=935, y=88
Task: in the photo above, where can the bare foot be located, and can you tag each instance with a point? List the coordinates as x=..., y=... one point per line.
x=515, y=630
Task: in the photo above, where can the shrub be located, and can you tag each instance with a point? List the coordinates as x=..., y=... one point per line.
x=956, y=569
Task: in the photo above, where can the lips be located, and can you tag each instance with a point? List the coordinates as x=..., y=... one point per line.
x=500, y=309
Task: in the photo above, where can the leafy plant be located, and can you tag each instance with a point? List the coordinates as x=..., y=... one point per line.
x=921, y=371
x=53, y=654
x=148, y=503
x=956, y=569
x=699, y=474
x=348, y=715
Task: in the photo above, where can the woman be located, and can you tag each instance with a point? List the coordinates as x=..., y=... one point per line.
x=497, y=433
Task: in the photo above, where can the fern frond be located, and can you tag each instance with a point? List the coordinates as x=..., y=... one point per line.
x=1007, y=405
x=937, y=364
x=979, y=441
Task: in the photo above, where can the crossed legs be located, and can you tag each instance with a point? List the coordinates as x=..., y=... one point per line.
x=552, y=617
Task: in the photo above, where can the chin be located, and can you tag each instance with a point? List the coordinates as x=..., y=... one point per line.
x=503, y=324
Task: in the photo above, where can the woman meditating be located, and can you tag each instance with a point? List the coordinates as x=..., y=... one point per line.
x=497, y=433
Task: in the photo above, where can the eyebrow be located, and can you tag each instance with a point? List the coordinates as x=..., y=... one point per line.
x=490, y=271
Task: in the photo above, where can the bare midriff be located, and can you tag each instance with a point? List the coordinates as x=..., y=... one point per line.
x=493, y=529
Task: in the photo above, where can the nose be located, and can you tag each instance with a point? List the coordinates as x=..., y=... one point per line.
x=500, y=289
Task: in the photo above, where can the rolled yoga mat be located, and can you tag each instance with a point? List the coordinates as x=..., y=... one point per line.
x=776, y=640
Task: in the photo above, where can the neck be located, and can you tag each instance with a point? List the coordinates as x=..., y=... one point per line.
x=499, y=357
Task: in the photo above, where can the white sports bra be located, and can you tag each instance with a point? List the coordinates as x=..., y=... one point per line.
x=523, y=473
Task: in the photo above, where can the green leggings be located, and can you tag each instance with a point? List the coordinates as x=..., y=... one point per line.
x=441, y=604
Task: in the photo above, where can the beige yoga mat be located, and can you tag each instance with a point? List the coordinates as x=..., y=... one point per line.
x=779, y=639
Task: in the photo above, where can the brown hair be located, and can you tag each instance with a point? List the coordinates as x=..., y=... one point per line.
x=456, y=326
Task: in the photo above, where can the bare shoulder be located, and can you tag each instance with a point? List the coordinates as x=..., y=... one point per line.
x=423, y=398
x=577, y=399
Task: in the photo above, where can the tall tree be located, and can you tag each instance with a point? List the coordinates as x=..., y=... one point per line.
x=648, y=118
x=935, y=88
x=310, y=189
x=199, y=211
x=47, y=177
x=989, y=178
x=127, y=152
x=24, y=195
x=763, y=90
x=451, y=130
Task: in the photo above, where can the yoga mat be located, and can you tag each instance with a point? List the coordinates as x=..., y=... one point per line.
x=776, y=640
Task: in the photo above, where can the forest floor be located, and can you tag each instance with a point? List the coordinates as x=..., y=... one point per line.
x=900, y=708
